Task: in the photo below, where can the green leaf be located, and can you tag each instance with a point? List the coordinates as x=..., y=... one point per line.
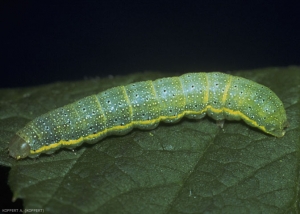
x=189, y=167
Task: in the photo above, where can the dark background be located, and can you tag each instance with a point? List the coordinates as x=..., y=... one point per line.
x=45, y=41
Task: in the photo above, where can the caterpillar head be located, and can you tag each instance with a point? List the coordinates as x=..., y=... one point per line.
x=18, y=148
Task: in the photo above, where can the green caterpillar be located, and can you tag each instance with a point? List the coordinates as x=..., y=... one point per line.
x=143, y=105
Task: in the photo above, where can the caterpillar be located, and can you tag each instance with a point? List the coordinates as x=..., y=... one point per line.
x=143, y=105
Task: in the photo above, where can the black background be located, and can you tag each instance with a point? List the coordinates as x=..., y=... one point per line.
x=46, y=41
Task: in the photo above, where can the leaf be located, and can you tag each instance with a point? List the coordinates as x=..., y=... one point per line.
x=188, y=167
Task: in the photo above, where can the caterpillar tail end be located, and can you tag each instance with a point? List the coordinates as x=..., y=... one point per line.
x=18, y=148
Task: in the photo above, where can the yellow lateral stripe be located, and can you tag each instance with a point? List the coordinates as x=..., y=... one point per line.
x=116, y=128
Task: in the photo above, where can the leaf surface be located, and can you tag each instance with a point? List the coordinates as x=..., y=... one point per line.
x=188, y=167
